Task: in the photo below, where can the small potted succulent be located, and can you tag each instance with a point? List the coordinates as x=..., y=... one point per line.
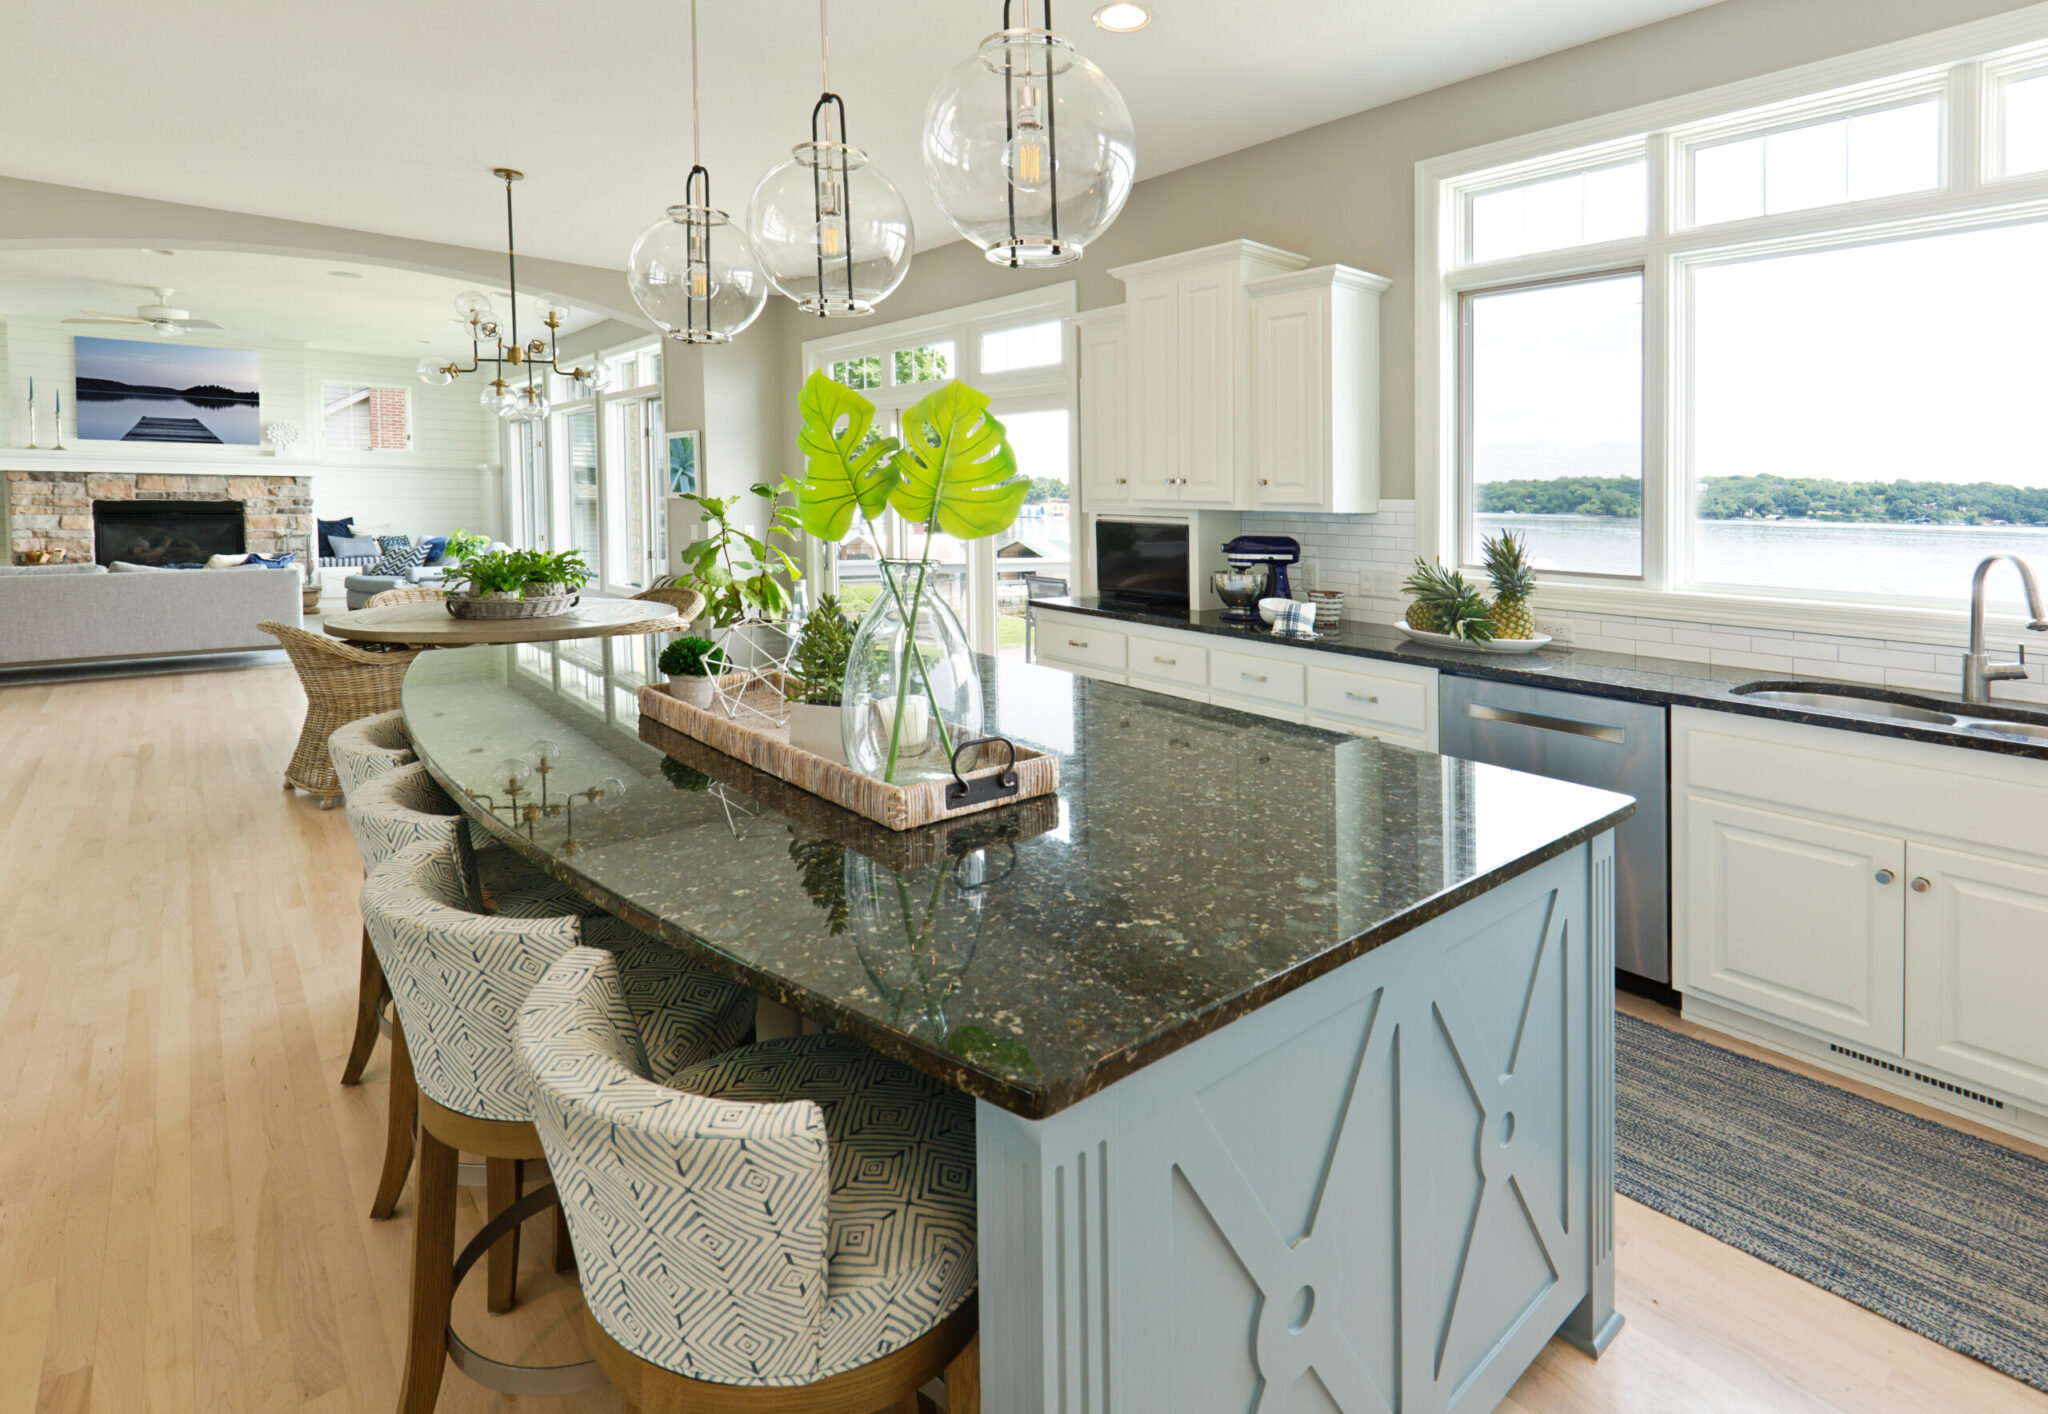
x=691, y=664
x=822, y=648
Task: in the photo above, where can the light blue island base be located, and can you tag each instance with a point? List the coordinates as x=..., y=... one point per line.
x=1384, y=1191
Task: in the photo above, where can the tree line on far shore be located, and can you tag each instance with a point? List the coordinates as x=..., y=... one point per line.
x=1792, y=498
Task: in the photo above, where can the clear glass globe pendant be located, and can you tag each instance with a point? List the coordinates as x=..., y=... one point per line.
x=693, y=272
x=1028, y=147
x=831, y=231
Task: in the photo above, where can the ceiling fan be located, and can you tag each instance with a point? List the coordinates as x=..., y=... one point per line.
x=162, y=318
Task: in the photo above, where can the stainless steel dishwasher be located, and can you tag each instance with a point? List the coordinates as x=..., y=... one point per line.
x=1595, y=741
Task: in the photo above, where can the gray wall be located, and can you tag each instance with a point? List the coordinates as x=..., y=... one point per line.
x=1345, y=191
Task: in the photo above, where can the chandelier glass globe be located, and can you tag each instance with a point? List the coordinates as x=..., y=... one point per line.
x=831, y=231
x=1029, y=149
x=433, y=371
x=693, y=273
x=524, y=404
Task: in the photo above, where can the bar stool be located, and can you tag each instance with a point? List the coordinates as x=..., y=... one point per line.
x=364, y=748
x=788, y=1227
x=459, y=978
x=387, y=813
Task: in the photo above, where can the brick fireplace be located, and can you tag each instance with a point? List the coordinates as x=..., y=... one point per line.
x=52, y=510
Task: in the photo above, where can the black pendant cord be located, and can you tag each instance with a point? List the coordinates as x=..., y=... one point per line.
x=1051, y=126
x=1010, y=126
x=697, y=205
x=511, y=265
x=821, y=146
x=1052, y=135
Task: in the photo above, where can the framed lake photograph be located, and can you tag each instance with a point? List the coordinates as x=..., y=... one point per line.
x=682, y=463
x=129, y=391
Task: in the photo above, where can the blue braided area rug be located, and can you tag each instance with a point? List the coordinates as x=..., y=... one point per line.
x=1940, y=1231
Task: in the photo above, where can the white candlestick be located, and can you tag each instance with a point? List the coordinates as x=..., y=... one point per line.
x=917, y=723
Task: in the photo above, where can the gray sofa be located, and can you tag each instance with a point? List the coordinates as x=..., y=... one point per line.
x=81, y=613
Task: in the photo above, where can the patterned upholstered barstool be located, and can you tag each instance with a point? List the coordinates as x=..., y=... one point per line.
x=459, y=978
x=367, y=747
x=394, y=811
x=788, y=1227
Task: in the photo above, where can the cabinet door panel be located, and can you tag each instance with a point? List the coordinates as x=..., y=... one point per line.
x=1151, y=370
x=1787, y=916
x=1289, y=412
x=1105, y=476
x=1209, y=349
x=1977, y=969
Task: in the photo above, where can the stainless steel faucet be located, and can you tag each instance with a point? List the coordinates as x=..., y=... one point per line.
x=1979, y=672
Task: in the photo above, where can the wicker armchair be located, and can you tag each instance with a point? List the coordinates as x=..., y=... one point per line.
x=688, y=603
x=406, y=594
x=342, y=683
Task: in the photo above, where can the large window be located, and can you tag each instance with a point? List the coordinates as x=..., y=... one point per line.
x=1016, y=350
x=1765, y=350
x=364, y=419
x=594, y=481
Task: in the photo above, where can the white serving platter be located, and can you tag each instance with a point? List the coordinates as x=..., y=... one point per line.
x=1498, y=645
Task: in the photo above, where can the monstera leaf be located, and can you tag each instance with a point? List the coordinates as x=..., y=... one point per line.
x=956, y=466
x=844, y=475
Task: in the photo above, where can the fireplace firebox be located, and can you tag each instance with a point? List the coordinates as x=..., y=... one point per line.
x=166, y=532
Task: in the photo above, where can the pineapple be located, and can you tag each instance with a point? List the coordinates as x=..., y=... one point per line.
x=1514, y=581
x=1446, y=602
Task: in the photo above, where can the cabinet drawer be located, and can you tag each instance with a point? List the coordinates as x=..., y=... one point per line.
x=1369, y=698
x=1260, y=679
x=1065, y=643
x=1259, y=707
x=1168, y=660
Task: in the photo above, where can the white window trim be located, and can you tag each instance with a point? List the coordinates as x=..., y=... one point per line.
x=2017, y=43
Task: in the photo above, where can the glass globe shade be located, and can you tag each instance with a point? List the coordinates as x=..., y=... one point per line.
x=806, y=214
x=693, y=273
x=491, y=397
x=524, y=405
x=433, y=372
x=1027, y=117
x=472, y=305
x=545, y=751
x=512, y=775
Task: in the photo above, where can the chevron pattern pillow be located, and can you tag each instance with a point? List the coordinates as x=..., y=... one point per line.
x=772, y=1216
x=368, y=746
x=459, y=978
x=398, y=560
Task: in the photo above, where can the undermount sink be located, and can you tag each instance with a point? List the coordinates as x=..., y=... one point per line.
x=1854, y=706
x=2025, y=731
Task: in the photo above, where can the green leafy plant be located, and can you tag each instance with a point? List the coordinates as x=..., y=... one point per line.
x=739, y=574
x=955, y=474
x=565, y=567
x=692, y=658
x=462, y=544
x=822, y=650
x=519, y=571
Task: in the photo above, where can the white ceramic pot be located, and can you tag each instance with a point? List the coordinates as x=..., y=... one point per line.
x=695, y=690
x=816, y=729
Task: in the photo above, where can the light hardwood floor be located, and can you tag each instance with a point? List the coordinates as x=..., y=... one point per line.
x=183, y=1183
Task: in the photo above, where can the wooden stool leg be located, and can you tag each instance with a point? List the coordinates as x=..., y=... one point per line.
x=433, y=1278
x=502, y=1182
x=963, y=1379
x=370, y=994
x=565, y=1255
x=404, y=1108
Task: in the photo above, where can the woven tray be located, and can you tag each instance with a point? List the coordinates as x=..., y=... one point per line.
x=464, y=606
x=766, y=747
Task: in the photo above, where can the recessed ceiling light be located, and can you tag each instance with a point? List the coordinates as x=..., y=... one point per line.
x=345, y=275
x=1122, y=17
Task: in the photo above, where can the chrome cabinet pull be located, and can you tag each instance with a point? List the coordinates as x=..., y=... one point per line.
x=1253, y=677
x=1170, y=662
x=1885, y=876
x=1357, y=697
x=1922, y=884
x=1479, y=711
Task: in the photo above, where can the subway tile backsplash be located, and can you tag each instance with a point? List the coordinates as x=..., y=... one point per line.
x=1367, y=557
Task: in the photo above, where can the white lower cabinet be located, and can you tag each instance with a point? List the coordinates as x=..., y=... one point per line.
x=1883, y=896
x=1977, y=968
x=1798, y=918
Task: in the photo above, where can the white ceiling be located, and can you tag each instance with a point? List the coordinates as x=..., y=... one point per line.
x=381, y=310
x=386, y=115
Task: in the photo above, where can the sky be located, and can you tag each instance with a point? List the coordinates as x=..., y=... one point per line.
x=166, y=364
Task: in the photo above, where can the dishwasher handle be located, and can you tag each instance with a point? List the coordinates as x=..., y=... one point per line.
x=1569, y=726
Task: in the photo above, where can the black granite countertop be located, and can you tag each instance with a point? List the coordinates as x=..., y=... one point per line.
x=1637, y=678
x=1196, y=864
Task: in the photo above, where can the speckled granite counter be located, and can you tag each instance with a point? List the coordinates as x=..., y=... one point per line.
x=1198, y=863
x=1637, y=678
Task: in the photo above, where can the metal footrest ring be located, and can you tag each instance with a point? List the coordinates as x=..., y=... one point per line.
x=496, y=1374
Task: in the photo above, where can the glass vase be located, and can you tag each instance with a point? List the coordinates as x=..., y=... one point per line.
x=912, y=691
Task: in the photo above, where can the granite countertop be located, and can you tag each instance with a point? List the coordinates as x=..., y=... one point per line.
x=1636, y=678
x=1197, y=863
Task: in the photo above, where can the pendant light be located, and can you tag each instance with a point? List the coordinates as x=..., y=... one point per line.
x=1028, y=147
x=831, y=231
x=692, y=272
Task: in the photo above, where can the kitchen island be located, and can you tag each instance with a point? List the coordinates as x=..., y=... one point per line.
x=1293, y=1052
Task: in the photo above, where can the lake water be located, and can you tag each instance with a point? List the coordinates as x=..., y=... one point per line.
x=109, y=419
x=1892, y=561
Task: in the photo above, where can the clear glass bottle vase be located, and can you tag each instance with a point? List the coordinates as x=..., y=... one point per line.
x=912, y=691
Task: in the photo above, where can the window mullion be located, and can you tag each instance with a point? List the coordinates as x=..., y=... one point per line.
x=1968, y=150
x=1664, y=497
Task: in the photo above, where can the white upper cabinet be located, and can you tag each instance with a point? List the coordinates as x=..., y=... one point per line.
x=1188, y=373
x=1105, y=447
x=1316, y=390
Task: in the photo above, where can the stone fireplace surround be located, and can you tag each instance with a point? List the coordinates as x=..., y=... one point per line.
x=52, y=510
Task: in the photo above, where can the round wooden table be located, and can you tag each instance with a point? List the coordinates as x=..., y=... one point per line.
x=430, y=625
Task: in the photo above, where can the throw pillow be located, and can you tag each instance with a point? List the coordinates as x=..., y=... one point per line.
x=388, y=543
x=331, y=528
x=436, y=547
x=355, y=547
x=280, y=561
x=223, y=562
x=399, y=562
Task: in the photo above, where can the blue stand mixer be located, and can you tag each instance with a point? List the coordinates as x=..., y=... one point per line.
x=1258, y=571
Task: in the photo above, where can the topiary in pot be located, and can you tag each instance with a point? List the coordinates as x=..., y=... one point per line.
x=821, y=653
x=691, y=663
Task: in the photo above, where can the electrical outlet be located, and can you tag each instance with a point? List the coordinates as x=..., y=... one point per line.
x=1559, y=629
x=1383, y=582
